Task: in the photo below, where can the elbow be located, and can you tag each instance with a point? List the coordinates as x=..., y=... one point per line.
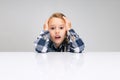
x=81, y=49
x=37, y=50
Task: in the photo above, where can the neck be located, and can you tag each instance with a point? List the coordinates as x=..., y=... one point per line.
x=57, y=45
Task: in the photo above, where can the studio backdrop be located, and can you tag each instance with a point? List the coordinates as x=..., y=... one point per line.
x=96, y=21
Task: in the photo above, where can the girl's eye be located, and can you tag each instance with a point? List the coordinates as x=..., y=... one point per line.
x=52, y=28
x=61, y=27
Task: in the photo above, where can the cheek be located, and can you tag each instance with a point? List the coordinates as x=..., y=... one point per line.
x=51, y=34
x=63, y=33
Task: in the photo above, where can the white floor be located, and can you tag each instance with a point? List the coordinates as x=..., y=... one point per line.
x=59, y=66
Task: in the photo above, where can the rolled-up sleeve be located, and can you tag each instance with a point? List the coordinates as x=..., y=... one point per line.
x=75, y=42
x=41, y=44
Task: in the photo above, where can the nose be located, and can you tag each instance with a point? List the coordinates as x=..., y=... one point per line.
x=57, y=31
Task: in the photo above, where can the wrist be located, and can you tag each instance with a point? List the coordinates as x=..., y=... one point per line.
x=68, y=29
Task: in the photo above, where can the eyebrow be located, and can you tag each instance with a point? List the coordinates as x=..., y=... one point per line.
x=52, y=25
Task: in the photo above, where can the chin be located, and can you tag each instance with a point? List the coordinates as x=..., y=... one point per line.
x=58, y=42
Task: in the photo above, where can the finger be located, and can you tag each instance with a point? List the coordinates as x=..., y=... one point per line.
x=68, y=23
x=46, y=24
x=66, y=19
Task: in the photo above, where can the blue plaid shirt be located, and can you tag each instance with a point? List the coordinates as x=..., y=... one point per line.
x=72, y=43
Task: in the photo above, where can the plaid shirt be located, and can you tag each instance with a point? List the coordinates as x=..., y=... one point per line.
x=72, y=43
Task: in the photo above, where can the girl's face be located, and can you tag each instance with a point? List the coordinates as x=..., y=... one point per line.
x=57, y=30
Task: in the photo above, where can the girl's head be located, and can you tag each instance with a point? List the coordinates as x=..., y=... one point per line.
x=57, y=28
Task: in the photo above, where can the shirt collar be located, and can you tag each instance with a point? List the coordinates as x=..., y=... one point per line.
x=52, y=44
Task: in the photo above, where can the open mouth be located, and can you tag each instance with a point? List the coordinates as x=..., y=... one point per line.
x=57, y=37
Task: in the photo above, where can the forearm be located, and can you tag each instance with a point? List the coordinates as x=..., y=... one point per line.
x=76, y=44
x=42, y=42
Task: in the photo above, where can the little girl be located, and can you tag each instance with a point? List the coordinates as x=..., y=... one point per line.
x=58, y=36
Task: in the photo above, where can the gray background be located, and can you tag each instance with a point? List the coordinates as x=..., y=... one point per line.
x=96, y=21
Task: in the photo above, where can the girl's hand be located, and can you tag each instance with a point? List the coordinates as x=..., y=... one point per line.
x=46, y=25
x=68, y=23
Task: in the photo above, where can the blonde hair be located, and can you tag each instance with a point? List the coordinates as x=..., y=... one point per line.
x=57, y=15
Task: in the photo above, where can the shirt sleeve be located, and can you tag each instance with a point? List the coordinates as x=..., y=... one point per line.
x=75, y=42
x=41, y=44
